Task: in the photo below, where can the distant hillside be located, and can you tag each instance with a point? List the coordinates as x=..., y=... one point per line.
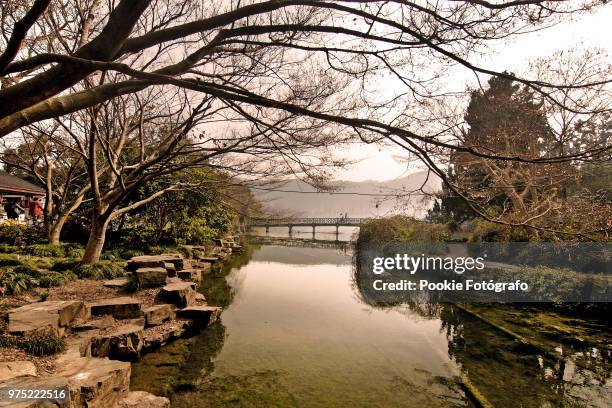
x=306, y=203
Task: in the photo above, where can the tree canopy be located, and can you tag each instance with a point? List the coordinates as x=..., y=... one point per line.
x=262, y=89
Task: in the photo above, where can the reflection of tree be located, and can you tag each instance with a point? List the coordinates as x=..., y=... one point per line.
x=363, y=284
x=507, y=373
x=180, y=364
x=194, y=385
x=205, y=348
x=214, y=285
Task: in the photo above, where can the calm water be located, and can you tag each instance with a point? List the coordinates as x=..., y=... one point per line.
x=296, y=333
x=321, y=233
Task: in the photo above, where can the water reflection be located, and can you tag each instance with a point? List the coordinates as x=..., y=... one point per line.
x=508, y=374
x=345, y=234
x=295, y=332
x=569, y=367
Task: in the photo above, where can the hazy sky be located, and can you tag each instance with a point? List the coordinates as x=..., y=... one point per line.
x=593, y=30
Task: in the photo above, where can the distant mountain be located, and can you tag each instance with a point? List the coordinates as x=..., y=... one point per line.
x=300, y=199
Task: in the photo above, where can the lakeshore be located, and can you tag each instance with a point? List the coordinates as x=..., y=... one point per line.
x=99, y=327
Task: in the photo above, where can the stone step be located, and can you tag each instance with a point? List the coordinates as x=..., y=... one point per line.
x=191, y=275
x=14, y=369
x=201, y=316
x=151, y=277
x=157, y=314
x=138, y=321
x=117, y=283
x=165, y=333
x=173, y=279
x=221, y=253
x=170, y=268
x=170, y=262
x=79, y=345
x=145, y=261
x=181, y=294
x=196, y=250
x=174, y=258
x=143, y=399
x=95, y=324
x=96, y=382
x=119, y=307
x=123, y=343
x=226, y=243
x=209, y=259
x=50, y=316
x=31, y=382
x=91, y=382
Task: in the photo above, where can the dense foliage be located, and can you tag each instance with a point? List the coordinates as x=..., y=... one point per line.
x=12, y=233
x=555, y=197
x=190, y=215
x=401, y=229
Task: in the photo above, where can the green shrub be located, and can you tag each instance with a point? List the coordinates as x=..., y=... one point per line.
x=187, y=252
x=486, y=231
x=101, y=270
x=9, y=249
x=44, y=296
x=15, y=283
x=52, y=278
x=10, y=260
x=25, y=269
x=74, y=252
x=42, y=345
x=181, y=249
x=402, y=229
x=130, y=253
x=65, y=265
x=37, y=345
x=157, y=250
x=112, y=255
x=68, y=250
x=45, y=250
x=40, y=263
x=12, y=233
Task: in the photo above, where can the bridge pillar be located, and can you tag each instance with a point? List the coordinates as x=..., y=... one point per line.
x=337, y=230
x=267, y=229
x=290, y=229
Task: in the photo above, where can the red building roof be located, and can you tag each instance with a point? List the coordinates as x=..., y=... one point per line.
x=10, y=184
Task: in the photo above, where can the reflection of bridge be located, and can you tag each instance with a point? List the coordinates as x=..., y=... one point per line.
x=301, y=242
x=306, y=222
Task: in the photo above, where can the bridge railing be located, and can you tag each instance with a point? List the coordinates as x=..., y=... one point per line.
x=306, y=221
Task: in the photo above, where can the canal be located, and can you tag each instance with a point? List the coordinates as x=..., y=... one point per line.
x=295, y=332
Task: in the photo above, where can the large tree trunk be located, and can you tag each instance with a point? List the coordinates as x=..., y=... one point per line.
x=54, y=230
x=53, y=234
x=95, y=243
